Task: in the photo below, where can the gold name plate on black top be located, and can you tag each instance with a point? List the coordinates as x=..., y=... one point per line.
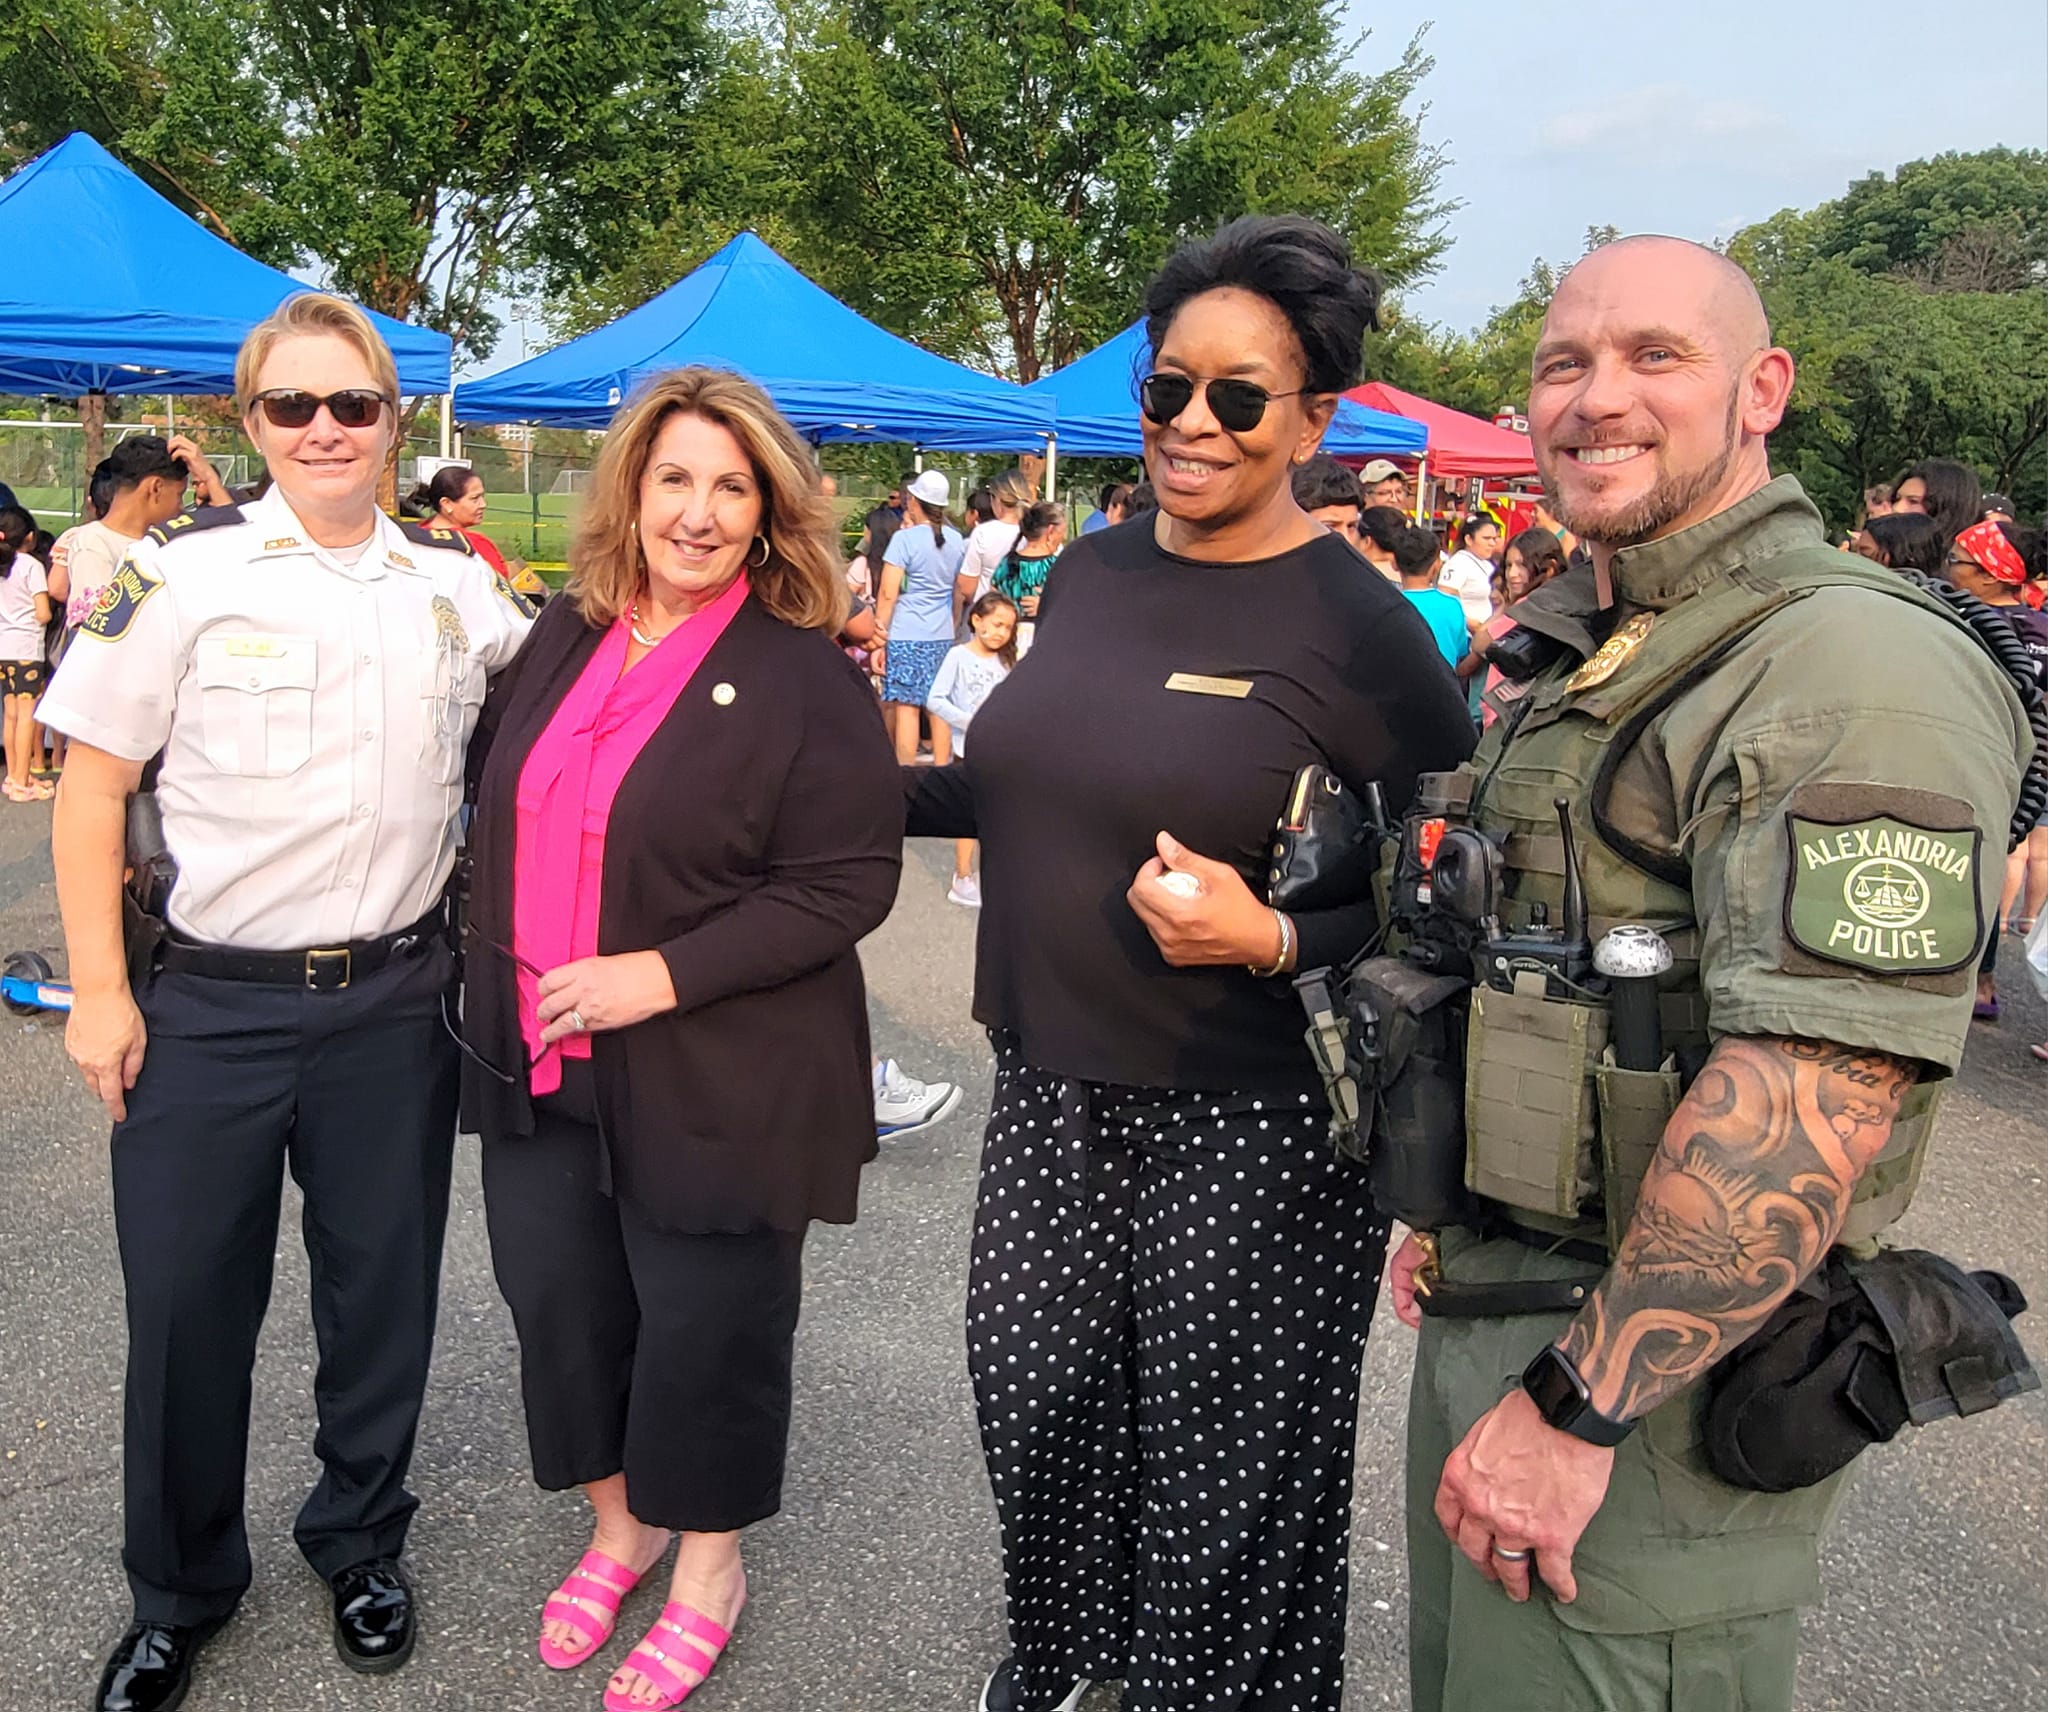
x=1194, y=683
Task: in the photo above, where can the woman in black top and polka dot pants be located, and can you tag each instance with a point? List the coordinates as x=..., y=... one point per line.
x=1172, y=1273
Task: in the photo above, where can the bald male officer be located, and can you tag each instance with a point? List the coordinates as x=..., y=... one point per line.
x=1738, y=718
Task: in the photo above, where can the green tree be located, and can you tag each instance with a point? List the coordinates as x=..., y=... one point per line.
x=1969, y=222
x=435, y=150
x=171, y=94
x=1917, y=309
x=998, y=181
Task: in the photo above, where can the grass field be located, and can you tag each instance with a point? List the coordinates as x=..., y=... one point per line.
x=534, y=526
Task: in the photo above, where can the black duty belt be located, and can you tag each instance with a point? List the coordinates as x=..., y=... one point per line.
x=322, y=969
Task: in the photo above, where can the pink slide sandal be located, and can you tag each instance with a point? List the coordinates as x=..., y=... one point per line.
x=588, y=1600
x=676, y=1657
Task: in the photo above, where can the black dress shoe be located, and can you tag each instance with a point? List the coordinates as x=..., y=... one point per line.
x=151, y=1668
x=374, y=1628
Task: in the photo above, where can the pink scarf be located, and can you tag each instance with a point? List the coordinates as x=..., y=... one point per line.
x=566, y=788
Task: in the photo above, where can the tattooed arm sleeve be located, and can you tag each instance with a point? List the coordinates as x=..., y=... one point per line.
x=1743, y=1200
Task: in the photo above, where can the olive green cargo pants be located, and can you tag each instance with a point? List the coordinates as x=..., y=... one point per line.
x=1689, y=1589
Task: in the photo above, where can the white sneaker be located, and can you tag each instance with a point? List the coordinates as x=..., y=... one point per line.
x=999, y=1693
x=964, y=891
x=904, y=1105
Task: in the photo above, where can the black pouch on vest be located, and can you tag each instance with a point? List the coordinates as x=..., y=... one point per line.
x=1325, y=847
x=1859, y=1350
x=1404, y=1036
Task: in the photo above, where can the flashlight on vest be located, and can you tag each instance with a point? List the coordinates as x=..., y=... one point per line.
x=1632, y=957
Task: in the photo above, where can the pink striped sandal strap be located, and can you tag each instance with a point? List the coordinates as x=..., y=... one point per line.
x=681, y=1641
x=587, y=1604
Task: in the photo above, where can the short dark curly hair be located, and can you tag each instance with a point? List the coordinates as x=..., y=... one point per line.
x=1323, y=481
x=1299, y=266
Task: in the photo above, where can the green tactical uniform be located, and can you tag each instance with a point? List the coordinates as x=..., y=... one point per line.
x=1802, y=773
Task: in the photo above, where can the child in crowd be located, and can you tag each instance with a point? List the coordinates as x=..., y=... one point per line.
x=1041, y=533
x=966, y=676
x=1417, y=557
x=24, y=617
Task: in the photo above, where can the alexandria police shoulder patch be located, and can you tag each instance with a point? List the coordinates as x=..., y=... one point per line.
x=1884, y=896
x=115, y=608
x=520, y=604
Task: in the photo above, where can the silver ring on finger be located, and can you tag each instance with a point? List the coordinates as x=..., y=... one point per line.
x=576, y=1023
x=1508, y=1554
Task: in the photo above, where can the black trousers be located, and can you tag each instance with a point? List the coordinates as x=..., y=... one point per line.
x=356, y=1091
x=1167, y=1309
x=661, y=1354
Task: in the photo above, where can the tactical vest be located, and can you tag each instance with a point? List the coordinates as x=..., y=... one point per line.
x=1557, y=1135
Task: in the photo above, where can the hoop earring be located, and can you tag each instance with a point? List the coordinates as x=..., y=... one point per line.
x=754, y=564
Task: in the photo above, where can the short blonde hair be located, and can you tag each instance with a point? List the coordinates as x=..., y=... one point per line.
x=800, y=582
x=314, y=312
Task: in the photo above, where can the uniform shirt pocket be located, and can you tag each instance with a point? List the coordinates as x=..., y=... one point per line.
x=256, y=702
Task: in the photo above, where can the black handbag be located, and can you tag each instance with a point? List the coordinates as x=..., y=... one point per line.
x=1325, y=847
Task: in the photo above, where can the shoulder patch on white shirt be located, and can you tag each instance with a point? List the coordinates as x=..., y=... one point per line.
x=118, y=602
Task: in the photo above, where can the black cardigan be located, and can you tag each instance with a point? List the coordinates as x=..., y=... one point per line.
x=754, y=841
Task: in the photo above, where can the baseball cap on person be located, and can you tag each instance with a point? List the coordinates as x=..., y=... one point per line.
x=931, y=487
x=1378, y=471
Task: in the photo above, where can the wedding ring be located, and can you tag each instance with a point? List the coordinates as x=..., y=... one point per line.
x=575, y=1021
x=1508, y=1555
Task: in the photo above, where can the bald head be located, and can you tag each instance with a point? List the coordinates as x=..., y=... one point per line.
x=1698, y=286
x=1653, y=387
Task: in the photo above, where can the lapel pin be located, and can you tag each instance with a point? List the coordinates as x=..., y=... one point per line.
x=723, y=694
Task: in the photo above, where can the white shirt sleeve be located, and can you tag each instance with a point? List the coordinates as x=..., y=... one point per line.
x=506, y=619
x=118, y=686
x=945, y=685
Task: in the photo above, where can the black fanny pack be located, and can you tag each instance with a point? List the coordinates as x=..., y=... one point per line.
x=1855, y=1353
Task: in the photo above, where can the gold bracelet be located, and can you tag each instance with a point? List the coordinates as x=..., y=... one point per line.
x=1286, y=949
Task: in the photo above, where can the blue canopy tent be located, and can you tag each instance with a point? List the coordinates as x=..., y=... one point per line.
x=1097, y=399
x=139, y=298
x=834, y=374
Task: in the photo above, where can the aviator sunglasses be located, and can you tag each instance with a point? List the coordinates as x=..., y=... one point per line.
x=1238, y=405
x=287, y=407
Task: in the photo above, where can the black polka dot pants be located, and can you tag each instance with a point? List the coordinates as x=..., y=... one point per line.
x=1167, y=1307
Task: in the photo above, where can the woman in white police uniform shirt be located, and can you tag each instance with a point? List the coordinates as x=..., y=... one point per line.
x=310, y=672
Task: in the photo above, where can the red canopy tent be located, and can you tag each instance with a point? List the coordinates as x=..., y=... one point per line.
x=1459, y=445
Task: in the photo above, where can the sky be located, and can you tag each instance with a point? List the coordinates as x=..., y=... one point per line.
x=1689, y=118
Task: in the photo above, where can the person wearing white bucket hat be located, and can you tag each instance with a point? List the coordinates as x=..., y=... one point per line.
x=915, y=610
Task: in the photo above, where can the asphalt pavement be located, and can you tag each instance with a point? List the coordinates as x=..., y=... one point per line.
x=877, y=1589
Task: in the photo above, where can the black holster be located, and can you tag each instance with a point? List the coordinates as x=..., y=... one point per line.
x=1855, y=1353
x=146, y=890
x=1390, y=1041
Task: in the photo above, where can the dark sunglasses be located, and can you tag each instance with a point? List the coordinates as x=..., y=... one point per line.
x=287, y=407
x=1237, y=405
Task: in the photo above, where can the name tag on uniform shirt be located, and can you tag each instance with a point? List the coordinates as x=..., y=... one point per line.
x=253, y=648
x=1195, y=683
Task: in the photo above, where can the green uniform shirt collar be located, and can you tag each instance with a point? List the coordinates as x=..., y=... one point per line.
x=1775, y=519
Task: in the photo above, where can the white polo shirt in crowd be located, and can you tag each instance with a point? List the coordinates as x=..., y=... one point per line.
x=313, y=713
x=1470, y=578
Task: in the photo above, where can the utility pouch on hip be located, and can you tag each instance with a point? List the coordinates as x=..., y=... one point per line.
x=1398, y=1032
x=1530, y=1105
x=1857, y=1351
x=1634, y=1106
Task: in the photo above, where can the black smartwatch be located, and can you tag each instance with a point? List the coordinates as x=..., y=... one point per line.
x=1562, y=1399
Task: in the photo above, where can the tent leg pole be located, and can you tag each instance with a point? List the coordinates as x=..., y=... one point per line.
x=1052, y=465
x=1421, y=487
x=447, y=423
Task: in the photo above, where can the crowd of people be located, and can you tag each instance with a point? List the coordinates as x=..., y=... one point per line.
x=573, y=865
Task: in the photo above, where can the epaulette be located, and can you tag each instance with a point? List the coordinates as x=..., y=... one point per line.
x=432, y=535
x=189, y=522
